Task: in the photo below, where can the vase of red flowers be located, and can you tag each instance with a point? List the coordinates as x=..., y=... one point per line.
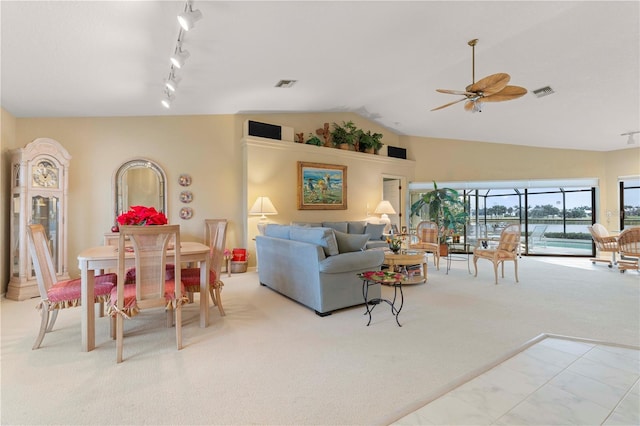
x=142, y=216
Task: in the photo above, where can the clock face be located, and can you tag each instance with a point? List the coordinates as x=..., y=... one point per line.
x=45, y=175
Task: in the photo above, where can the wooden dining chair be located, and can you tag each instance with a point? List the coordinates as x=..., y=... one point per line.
x=151, y=289
x=507, y=250
x=54, y=294
x=629, y=244
x=428, y=240
x=215, y=235
x=605, y=243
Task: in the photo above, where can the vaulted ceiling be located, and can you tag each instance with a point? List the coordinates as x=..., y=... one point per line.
x=381, y=59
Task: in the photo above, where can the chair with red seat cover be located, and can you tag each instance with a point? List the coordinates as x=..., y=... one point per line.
x=215, y=235
x=151, y=288
x=55, y=294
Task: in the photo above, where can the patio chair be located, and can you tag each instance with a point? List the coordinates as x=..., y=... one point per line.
x=507, y=250
x=604, y=243
x=537, y=236
x=428, y=241
x=629, y=244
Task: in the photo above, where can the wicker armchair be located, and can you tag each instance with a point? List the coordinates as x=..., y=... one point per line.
x=629, y=244
x=604, y=243
x=507, y=250
x=428, y=241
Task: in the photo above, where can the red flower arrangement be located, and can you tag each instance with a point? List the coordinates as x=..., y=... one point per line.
x=382, y=276
x=141, y=215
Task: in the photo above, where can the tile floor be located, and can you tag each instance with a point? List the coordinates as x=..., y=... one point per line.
x=555, y=381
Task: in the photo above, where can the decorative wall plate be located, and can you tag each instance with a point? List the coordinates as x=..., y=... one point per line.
x=186, y=196
x=185, y=180
x=186, y=213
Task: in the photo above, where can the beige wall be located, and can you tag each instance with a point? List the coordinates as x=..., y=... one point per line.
x=211, y=149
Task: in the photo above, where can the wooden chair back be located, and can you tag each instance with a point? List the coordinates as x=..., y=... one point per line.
x=215, y=236
x=41, y=258
x=427, y=232
x=510, y=239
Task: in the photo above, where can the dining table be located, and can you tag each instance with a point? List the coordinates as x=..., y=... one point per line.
x=102, y=258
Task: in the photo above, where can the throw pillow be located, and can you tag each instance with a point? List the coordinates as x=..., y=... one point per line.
x=350, y=242
x=323, y=237
x=356, y=227
x=375, y=230
x=338, y=226
x=277, y=231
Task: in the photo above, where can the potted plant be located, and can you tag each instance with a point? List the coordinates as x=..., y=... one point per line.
x=314, y=140
x=445, y=208
x=370, y=143
x=345, y=136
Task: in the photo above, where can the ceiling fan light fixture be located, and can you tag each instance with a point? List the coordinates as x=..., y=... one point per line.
x=630, y=139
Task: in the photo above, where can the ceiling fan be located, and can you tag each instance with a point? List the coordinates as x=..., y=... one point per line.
x=489, y=89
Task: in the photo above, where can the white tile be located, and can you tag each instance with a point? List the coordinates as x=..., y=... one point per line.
x=635, y=389
x=629, y=409
x=615, y=359
x=448, y=410
x=551, y=405
x=551, y=355
x=626, y=352
x=488, y=396
x=413, y=419
x=539, y=371
x=569, y=346
x=603, y=373
x=585, y=387
x=510, y=380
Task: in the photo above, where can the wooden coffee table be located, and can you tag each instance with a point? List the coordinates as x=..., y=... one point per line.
x=407, y=259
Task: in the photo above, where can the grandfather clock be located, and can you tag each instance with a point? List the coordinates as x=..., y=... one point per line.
x=39, y=189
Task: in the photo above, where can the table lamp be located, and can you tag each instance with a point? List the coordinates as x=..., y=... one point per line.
x=263, y=207
x=384, y=209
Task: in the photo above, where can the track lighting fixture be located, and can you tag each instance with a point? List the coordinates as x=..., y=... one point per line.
x=168, y=98
x=188, y=18
x=180, y=56
x=630, y=140
x=172, y=81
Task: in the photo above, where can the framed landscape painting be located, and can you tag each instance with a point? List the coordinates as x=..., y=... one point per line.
x=322, y=186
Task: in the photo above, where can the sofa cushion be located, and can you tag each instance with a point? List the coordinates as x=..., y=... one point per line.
x=277, y=231
x=307, y=224
x=375, y=230
x=323, y=237
x=338, y=226
x=356, y=227
x=352, y=262
x=350, y=242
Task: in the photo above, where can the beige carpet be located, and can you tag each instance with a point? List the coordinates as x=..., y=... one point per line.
x=272, y=361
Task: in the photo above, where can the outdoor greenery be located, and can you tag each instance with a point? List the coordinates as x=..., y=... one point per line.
x=445, y=207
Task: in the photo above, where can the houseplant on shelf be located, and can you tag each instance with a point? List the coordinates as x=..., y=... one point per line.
x=444, y=207
x=345, y=136
x=370, y=143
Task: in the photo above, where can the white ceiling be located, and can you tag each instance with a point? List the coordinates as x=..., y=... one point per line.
x=381, y=59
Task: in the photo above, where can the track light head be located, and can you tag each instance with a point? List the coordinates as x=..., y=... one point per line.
x=188, y=18
x=172, y=82
x=168, y=98
x=179, y=57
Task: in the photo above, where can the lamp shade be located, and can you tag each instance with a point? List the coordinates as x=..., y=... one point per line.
x=384, y=207
x=263, y=206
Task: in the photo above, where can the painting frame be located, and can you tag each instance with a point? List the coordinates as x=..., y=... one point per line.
x=321, y=186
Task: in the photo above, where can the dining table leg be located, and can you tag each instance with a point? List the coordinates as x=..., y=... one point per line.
x=88, y=308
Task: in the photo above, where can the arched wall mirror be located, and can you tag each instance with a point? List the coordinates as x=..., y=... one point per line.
x=140, y=182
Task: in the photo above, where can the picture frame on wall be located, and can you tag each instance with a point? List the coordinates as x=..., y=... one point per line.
x=322, y=186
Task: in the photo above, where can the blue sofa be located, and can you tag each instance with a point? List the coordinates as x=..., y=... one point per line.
x=316, y=266
x=374, y=230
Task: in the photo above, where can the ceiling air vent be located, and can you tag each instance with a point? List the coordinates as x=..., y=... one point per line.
x=545, y=91
x=286, y=83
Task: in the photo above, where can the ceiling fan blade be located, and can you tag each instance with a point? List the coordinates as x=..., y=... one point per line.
x=449, y=104
x=455, y=92
x=506, y=94
x=491, y=84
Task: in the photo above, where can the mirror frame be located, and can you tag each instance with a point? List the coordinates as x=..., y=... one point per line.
x=119, y=183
